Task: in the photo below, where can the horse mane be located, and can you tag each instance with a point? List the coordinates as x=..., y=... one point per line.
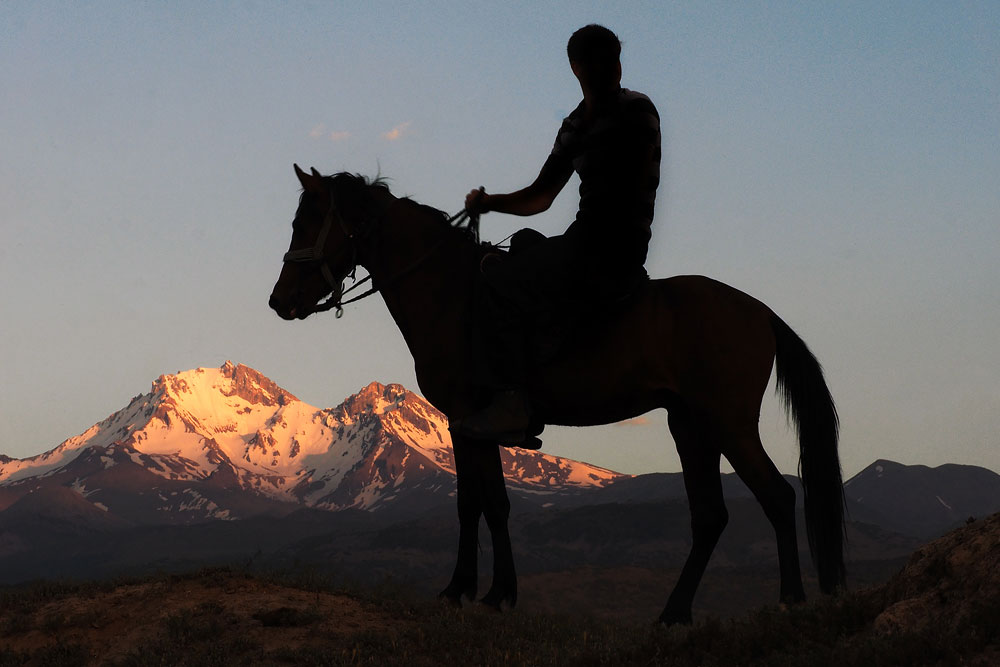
x=379, y=181
x=382, y=182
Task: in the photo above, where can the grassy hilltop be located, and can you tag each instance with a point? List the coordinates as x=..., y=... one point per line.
x=942, y=608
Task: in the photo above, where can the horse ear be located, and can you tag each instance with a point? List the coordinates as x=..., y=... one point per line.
x=310, y=183
x=316, y=172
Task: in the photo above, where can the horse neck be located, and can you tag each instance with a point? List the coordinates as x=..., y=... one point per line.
x=424, y=273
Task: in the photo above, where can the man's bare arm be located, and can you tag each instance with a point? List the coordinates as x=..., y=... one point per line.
x=533, y=199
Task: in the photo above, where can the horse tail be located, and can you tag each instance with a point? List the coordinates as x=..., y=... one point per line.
x=810, y=407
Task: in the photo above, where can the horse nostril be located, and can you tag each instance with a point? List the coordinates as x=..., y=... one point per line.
x=273, y=303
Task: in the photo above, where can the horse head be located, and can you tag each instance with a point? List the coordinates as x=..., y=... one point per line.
x=324, y=248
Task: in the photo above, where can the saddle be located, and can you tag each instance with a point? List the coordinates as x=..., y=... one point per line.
x=547, y=334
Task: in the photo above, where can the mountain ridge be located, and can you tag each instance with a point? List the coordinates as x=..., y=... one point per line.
x=228, y=442
x=219, y=465
x=919, y=500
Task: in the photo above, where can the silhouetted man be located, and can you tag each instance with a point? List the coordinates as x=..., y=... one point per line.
x=612, y=140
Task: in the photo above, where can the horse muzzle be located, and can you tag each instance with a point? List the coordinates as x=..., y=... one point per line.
x=287, y=311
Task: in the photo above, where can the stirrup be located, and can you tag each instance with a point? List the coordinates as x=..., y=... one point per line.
x=531, y=442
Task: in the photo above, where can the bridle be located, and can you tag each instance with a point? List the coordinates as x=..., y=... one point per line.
x=317, y=253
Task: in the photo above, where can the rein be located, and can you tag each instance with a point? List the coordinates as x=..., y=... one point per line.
x=317, y=254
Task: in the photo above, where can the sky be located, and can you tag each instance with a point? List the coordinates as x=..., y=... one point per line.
x=840, y=161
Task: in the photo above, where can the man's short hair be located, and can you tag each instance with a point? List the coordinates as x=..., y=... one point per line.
x=597, y=50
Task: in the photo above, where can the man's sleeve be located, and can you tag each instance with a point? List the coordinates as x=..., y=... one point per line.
x=637, y=155
x=558, y=166
x=561, y=147
x=643, y=121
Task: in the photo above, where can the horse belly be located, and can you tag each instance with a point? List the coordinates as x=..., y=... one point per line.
x=613, y=370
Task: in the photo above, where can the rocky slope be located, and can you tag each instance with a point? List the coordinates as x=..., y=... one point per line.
x=947, y=584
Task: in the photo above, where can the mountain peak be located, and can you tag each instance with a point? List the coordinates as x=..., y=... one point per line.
x=376, y=399
x=229, y=380
x=254, y=387
x=202, y=439
x=881, y=466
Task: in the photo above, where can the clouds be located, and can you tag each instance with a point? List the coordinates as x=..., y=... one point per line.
x=322, y=132
x=635, y=421
x=397, y=132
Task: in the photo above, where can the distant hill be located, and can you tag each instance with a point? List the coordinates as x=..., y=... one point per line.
x=920, y=501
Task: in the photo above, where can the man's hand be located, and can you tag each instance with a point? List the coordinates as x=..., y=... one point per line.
x=533, y=199
x=476, y=202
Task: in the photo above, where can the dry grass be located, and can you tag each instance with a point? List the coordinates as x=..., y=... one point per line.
x=942, y=609
x=226, y=617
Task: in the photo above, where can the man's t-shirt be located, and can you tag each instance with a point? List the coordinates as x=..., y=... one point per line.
x=617, y=156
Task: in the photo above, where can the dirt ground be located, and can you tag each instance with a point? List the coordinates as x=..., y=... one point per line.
x=943, y=607
x=111, y=623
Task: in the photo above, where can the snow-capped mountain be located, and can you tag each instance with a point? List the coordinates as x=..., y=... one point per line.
x=227, y=443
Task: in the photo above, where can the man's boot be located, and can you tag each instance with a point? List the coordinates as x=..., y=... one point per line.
x=506, y=419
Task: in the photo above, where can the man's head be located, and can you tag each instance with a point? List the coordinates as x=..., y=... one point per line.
x=595, y=55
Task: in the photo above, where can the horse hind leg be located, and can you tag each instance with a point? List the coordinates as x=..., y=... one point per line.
x=703, y=483
x=777, y=497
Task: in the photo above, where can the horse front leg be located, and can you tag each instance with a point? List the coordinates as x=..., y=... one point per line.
x=496, y=508
x=470, y=508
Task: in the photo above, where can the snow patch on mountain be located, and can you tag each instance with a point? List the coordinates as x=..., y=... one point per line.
x=231, y=429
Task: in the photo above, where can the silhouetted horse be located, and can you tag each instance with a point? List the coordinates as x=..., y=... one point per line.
x=689, y=344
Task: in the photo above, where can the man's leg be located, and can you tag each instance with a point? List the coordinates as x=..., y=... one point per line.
x=515, y=292
x=500, y=369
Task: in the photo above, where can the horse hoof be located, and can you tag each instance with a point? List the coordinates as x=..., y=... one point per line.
x=792, y=599
x=497, y=600
x=453, y=594
x=450, y=598
x=669, y=618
